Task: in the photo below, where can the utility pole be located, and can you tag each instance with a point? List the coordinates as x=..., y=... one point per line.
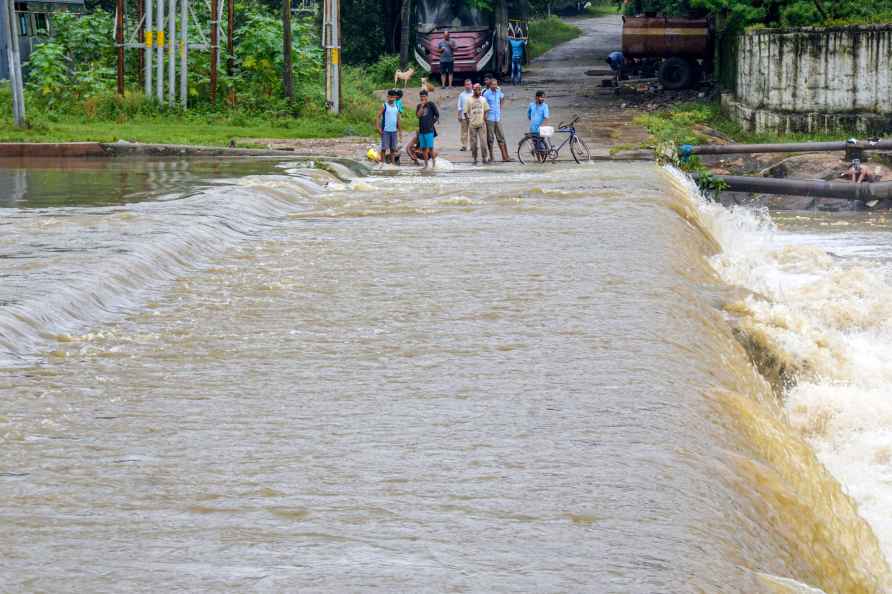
x=159, y=43
x=287, y=69
x=215, y=46
x=405, y=32
x=150, y=44
x=15, y=64
x=140, y=35
x=119, y=42
x=331, y=40
x=184, y=53
x=171, y=52
x=230, y=27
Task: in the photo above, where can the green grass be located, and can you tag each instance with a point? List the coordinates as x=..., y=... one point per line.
x=549, y=32
x=676, y=126
x=177, y=130
x=600, y=9
x=108, y=119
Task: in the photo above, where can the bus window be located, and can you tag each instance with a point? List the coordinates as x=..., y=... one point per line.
x=41, y=24
x=23, y=25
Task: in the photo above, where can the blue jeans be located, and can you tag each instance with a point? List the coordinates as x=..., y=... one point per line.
x=516, y=72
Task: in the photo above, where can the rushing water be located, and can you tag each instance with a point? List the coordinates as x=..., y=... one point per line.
x=500, y=381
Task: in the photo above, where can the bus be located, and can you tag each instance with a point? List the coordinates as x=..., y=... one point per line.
x=480, y=36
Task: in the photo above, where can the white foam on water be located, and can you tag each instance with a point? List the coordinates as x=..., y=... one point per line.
x=828, y=320
x=444, y=164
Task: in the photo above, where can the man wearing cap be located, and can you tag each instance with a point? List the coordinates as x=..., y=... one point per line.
x=475, y=108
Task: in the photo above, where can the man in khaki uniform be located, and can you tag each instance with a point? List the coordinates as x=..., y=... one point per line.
x=475, y=110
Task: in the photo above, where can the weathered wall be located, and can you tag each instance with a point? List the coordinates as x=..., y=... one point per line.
x=813, y=80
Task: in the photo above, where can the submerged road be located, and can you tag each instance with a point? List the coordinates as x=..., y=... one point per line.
x=223, y=376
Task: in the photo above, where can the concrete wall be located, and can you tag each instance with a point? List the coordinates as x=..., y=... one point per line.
x=813, y=80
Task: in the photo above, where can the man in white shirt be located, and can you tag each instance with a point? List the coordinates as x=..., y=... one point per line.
x=462, y=117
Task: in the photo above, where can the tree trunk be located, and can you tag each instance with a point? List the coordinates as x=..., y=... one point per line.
x=405, y=32
x=391, y=11
x=287, y=69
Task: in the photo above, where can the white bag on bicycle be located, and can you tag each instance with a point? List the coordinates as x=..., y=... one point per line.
x=546, y=131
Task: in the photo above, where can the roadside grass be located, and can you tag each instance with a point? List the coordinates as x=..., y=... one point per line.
x=603, y=8
x=679, y=125
x=549, y=32
x=178, y=130
x=134, y=118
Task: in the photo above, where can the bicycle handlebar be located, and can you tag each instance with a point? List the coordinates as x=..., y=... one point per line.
x=567, y=125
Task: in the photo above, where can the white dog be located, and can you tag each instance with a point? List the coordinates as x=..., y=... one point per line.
x=403, y=75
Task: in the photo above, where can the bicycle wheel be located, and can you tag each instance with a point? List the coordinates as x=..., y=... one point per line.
x=579, y=151
x=526, y=151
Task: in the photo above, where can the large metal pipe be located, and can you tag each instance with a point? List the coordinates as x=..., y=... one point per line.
x=799, y=147
x=807, y=187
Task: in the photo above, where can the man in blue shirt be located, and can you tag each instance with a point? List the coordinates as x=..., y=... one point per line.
x=538, y=115
x=494, y=133
x=616, y=60
x=517, y=47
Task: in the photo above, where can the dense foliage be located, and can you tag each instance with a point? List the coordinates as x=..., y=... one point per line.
x=742, y=13
x=71, y=86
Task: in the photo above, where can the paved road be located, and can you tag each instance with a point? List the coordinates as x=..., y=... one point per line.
x=561, y=74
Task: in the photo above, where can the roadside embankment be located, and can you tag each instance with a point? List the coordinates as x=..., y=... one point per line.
x=703, y=123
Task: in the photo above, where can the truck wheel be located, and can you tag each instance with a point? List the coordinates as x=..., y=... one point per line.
x=676, y=73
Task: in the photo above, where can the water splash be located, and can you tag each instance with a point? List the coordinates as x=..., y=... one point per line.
x=826, y=326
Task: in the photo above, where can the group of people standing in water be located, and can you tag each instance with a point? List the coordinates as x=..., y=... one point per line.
x=479, y=111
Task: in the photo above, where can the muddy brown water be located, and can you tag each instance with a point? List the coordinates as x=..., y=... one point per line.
x=505, y=380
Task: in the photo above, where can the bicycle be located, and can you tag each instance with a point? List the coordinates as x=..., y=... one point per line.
x=539, y=149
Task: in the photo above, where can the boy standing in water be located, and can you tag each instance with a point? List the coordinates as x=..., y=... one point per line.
x=428, y=116
x=388, y=124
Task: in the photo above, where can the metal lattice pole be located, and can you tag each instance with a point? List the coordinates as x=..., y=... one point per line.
x=159, y=55
x=184, y=53
x=171, y=52
x=15, y=64
x=215, y=27
x=150, y=43
x=119, y=42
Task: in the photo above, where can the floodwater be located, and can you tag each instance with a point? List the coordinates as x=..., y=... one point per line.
x=223, y=379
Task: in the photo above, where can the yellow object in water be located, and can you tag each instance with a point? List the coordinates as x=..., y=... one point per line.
x=373, y=155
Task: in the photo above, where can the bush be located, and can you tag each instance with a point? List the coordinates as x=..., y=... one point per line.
x=549, y=32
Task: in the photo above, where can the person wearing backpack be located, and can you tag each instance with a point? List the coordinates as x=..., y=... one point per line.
x=388, y=125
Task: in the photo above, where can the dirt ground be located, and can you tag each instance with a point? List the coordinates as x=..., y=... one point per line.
x=561, y=73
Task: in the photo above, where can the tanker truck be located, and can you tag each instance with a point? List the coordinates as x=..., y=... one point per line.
x=677, y=50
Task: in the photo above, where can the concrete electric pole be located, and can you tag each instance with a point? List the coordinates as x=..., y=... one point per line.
x=10, y=25
x=331, y=41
